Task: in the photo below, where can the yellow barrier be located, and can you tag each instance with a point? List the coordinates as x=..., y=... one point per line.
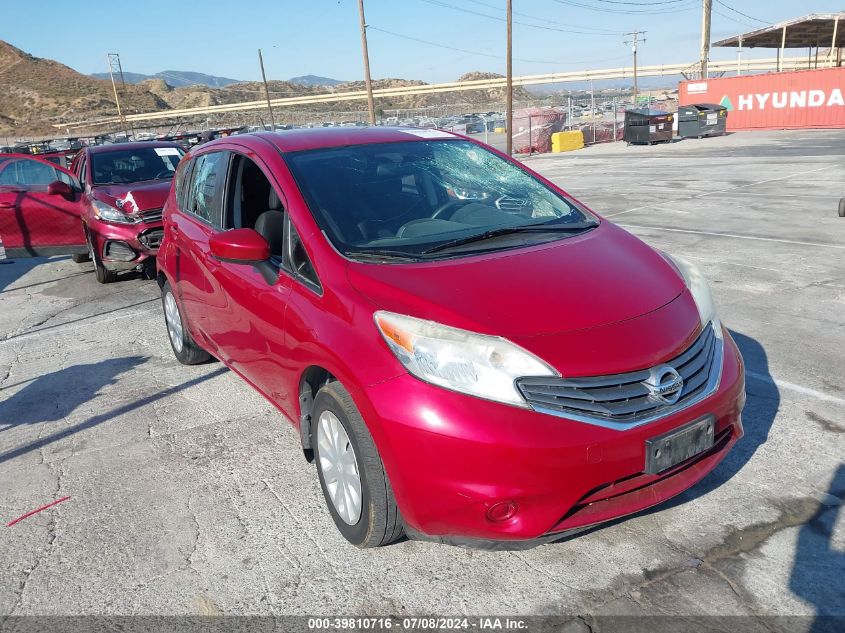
x=567, y=141
x=499, y=130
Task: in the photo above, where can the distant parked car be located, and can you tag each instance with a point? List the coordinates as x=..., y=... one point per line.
x=124, y=189
x=469, y=354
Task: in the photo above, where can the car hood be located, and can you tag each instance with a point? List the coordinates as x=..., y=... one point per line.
x=601, y=277
x=150, y=194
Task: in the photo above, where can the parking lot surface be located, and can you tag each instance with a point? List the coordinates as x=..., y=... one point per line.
x=188, y=493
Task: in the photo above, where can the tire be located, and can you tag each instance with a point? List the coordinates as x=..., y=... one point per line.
x=378, y=521
x=80, y=258
x=842, y=208
x=103, y=274
x=182, y=343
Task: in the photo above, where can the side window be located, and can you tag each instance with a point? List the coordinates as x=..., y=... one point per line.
x=209, y=175
x=28, y=173
x=80, y=168
x=65, y=178
x=298, y=260
x=183, y=177
x=249, y=195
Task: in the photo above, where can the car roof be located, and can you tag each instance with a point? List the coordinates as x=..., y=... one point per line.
x=317, y=138
x=111, y=147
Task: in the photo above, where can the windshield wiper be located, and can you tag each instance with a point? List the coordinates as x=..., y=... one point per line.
x=382, y=255
x=575, y=227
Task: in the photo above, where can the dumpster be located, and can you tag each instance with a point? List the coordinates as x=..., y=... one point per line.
x=702, y=119
x=648, y=126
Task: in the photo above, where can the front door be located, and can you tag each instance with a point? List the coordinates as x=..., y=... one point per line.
x=37, y=219
x=245, y=317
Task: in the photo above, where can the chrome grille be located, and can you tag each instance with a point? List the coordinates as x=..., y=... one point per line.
x=153, y=215
x=624, y=399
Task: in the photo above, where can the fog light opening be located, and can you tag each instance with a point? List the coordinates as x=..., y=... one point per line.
x=502, y=511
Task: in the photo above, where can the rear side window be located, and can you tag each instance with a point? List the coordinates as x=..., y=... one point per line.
x=206, y=192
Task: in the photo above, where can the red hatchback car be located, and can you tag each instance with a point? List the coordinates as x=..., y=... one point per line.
x=124, y=189
x=469, y=354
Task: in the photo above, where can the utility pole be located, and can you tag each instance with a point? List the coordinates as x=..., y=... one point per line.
x=706, y=11
x=635, y=39
x=116, y=69
x=509, y=81
x=266, y=91
x=371, y=108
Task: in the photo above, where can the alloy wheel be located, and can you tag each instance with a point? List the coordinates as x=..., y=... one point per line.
x=339, y=467
x=174, y=322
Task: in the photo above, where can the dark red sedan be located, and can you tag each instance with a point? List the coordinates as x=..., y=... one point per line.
x=469, y=354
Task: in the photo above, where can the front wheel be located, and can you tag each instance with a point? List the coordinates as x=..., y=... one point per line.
x=842, y=208
x=184, y=348
x=103, y=274
x=356, y=488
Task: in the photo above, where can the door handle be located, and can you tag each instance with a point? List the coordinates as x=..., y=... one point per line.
x=7, y=205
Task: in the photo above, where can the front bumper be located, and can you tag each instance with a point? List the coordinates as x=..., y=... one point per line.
x=450, y=457
x=125, y=247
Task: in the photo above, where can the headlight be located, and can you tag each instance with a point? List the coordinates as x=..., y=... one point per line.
x=475, y=364
x=103, y=211
x=700, y=291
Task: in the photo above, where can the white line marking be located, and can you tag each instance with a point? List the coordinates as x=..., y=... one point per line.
x=734, y=235
x=710, y=193
x=791, y=386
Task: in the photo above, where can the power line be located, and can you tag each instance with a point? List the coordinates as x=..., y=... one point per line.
x=735, y=20
x=745, y=15
x=438, y=3
x=675, y=8
x=641, y=4
x=490, y=55
x=545, y=20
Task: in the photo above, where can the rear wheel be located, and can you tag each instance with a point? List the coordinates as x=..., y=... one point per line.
x=184, y=348
x=80, y=258
x=842, y=208
x=355, y=486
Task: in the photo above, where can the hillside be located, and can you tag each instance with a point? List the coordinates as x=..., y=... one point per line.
x=37, y=93
x=314, y=80
x=176, y=78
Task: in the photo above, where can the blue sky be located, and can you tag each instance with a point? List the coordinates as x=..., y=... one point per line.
x=321, y=37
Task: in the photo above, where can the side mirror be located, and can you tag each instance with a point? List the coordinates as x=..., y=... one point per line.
x=59, y=188
x=240, y=246
x=245, y=246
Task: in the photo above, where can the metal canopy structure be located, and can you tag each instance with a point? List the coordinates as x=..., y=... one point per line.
x=810, y=31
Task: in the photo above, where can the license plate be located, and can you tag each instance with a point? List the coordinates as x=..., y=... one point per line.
x=679, y=445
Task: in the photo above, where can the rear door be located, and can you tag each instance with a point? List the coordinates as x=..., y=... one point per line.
x=34, y=222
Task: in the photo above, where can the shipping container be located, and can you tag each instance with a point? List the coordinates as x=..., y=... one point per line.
x=789, y=100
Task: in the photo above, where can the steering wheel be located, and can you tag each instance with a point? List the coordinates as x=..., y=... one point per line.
x=447, y=207
x=162, y=174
